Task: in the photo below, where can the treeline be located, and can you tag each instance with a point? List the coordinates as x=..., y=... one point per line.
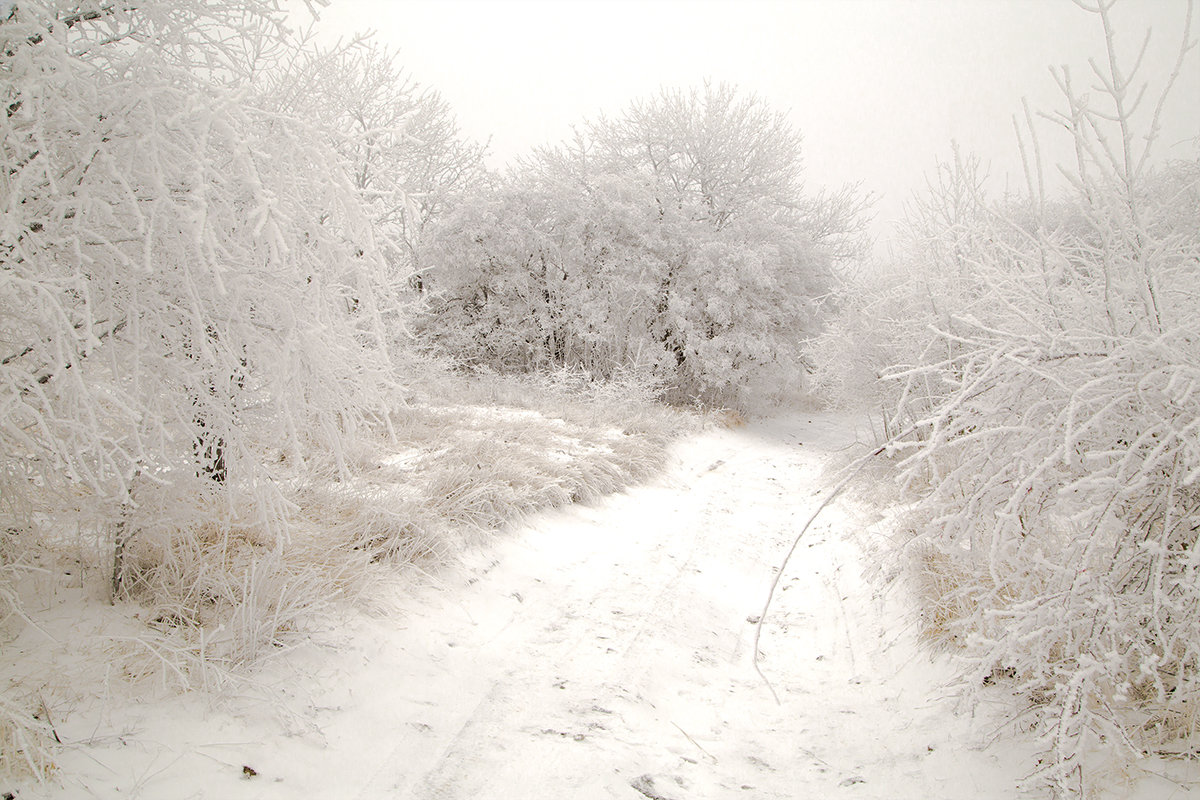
x=219, y=237
x=226, y=251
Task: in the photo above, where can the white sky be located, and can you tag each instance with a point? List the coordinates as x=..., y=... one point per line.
x=878, y=88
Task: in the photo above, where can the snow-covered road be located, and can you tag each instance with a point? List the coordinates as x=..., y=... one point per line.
x=604, y=651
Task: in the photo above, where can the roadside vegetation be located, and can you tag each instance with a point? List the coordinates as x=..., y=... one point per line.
x=1036, y=357
x=272, y=335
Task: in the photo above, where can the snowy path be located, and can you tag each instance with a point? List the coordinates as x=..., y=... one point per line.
x=605, y=652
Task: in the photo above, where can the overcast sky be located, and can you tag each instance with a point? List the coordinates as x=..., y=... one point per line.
x=877, y=88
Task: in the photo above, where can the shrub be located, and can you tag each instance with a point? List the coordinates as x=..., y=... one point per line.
x=1046, y=363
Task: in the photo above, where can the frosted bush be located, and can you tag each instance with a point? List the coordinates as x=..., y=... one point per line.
x=188, y=286
x=1039, y=362
x=673, y=241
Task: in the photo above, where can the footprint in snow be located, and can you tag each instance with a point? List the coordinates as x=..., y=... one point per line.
x=646, y=786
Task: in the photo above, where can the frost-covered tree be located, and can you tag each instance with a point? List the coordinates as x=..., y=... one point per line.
x=716, y=152
x=886, y=311
x=675, y=239
x=487, y=266
x=1047, y=364
x=187, y=275
x=408, y=159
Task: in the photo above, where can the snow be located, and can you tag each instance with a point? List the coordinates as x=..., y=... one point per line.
x=602, y=651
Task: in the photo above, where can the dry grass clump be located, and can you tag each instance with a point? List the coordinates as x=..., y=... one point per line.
x=26, y=741
x=505, y=448
x=945, y=595
x=724, y=417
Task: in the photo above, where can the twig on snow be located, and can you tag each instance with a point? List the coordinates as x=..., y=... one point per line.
x=693, y=741
x=762, y=618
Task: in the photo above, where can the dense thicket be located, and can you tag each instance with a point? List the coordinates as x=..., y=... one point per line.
x=188, y=276
x=674, y=241
x=1043, y=355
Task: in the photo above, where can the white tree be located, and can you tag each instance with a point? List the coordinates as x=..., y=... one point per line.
x=674, y=239
x=409, y=161
x=187, y=276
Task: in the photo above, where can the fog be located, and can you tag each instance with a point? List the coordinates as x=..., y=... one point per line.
x=879, y=88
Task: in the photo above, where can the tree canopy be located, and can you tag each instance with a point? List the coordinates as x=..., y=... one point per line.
x=674, y=239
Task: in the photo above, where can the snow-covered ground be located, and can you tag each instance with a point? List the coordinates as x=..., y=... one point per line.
x=602, y=651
